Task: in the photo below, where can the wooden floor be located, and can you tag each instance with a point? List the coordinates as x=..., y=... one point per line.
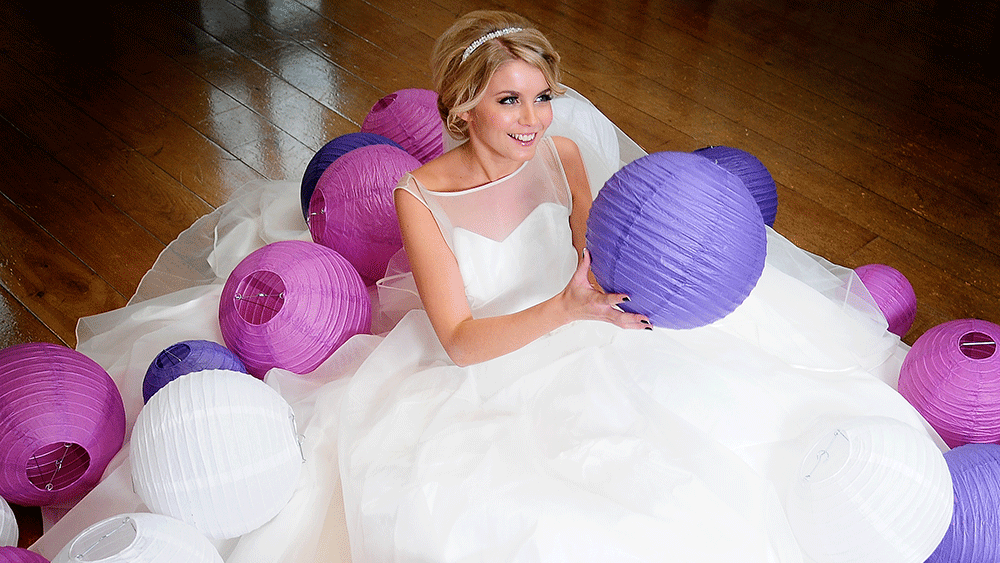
x=121, y=123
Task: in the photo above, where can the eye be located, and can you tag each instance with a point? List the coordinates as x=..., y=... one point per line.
x=546, y=97
x=508, y=100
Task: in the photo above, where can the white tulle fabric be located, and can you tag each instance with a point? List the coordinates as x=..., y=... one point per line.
x=590, y=444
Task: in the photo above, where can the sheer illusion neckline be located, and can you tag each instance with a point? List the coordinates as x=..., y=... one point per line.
x=473, y=189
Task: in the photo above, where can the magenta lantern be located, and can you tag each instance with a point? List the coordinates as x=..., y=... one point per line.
x=352, y=209
x=184, y=358
x=892, y=293
x=18, y=555
x=974, y=534
x=752, y=172
x=411, y=118
x=62, y=419
x=682, y=237
x=290, y=304
x=330, y=152
x=951, y=376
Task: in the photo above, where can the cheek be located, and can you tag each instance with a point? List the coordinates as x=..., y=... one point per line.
x=545, y=114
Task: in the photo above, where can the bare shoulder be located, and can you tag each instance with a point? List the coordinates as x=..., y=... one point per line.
x=440, y=174
x=567, y=148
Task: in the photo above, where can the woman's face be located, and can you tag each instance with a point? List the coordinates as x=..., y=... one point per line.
x=514, y=113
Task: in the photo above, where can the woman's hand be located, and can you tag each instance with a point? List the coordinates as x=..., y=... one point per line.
x=582, y=300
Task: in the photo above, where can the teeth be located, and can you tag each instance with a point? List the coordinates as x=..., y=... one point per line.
x=524, y=138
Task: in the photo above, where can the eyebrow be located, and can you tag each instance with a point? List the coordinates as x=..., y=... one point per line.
x=516, y=93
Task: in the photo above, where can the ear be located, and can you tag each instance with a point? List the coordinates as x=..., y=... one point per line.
x=466, y=116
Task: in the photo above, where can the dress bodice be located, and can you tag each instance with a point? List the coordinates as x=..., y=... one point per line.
x=511, y=237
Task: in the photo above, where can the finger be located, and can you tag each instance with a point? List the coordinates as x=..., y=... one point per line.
x=583, y=268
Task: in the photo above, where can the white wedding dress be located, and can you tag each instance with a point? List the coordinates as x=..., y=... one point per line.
x=591, y=443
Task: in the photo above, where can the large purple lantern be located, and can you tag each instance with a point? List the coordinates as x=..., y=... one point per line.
x=330, y=152
x=678, y=234
x=752, y=172
x=290, y=304
x=892, y=293
x=187, y=357
x=62, y=419
x=18, y=555
x=951, y=375
x=352, y=209
x=411, y=118
x=974, y=534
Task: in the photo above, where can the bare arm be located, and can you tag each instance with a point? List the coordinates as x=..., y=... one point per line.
x=468, y=340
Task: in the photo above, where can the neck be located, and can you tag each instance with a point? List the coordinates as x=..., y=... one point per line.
x=485, y=164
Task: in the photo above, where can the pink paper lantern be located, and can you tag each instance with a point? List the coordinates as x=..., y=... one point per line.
x=352, y=209
x=290, y=304
x=62, y=419
x=951, y=376
x=411, y=118
x=892, y=293
x=18, y=555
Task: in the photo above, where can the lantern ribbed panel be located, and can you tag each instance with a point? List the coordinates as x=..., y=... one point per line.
x=140, y=538
x=352, y=209
x=331, y=152
x=62, y=419
x=679, y=235
x=870, y=489
x=216, y=449
x=184, y=358
x=752, y=172
x=411, y=118
x=18, y=555
x=9, y=532
x=892, y=293
x=290, y=304
x=951, y=376
x=974, y=534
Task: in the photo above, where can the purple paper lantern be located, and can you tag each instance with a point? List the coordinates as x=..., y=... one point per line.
x=330, y=152
x=18, y=555
x=752, y=172
x=352, y=209
x=184, y=358
x=290, y=304
x=951, y=376
x=411, y=118
x=62, y=419
x=892, y=293
x=680, y=236
x=974, y=534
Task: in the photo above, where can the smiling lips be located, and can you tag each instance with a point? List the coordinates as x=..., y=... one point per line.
x=524, y=137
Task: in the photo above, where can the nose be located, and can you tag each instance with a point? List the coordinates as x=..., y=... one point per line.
x=529, y=114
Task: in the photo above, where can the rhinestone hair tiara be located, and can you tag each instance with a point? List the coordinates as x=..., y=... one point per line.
x=488, y=37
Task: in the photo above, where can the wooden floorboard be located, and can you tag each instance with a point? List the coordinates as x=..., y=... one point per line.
x=122, y=122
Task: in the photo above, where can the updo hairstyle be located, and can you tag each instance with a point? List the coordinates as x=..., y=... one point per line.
x=461, y=85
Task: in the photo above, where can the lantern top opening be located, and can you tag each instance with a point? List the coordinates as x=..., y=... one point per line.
x=105, y=540
x=977, y=345
x=826, y=457
x=53, y=467
x=173, y=355
x=384, y=102
x=259, y=296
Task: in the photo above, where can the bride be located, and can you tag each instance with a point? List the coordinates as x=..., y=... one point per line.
x=519, y=414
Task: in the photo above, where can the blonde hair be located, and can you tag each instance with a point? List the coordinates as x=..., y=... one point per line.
x=460, y=78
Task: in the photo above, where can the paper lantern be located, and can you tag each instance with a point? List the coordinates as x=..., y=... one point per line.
x=8, y=525
x=892, y=293
x=216, y=449
x=290, y=304
x=62, y=419
x=411, y=118
x=139, y=538
x=752, y=172
x=974, y=534
x=331, y=152
x=184, y=358
x=680, y=236
x=352, y=209
x=951, y=375
x=18, y=555
x=870, y=489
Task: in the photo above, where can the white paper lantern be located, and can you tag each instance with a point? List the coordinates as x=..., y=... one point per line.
x=139, y=538
x=871, y=489
x=216, y=449
x=8, y=525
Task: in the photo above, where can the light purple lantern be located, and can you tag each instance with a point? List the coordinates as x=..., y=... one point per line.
x=951, y=376
x=679, y=235
x=411, y=118
x=330, y=152
x=892, y=293
x=18, y=555
x=290, y=304
x=352, y=209
x=974, y=534
x=752, y=172
x=184, y=358
x=62, y=419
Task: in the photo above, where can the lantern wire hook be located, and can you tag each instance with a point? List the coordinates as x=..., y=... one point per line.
x=824, y=454
x=125, y=521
